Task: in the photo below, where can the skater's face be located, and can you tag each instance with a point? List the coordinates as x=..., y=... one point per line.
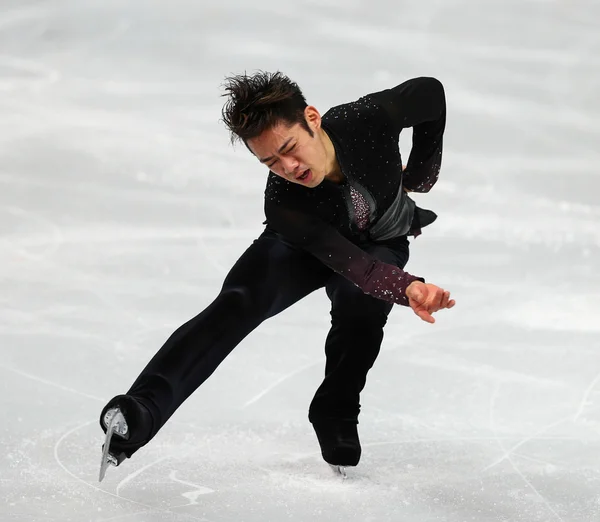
x=292, y=153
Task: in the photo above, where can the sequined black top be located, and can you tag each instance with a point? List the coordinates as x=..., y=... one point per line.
x=332, y=220
x=360, y=207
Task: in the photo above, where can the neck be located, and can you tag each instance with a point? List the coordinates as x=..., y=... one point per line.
x=334, y=172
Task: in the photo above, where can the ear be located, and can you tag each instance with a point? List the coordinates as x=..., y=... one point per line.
x=313, y=117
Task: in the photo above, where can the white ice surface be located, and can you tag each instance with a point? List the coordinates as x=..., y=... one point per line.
x=123, y=205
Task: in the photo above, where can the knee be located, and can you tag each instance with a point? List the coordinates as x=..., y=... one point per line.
x=232, y=310
x=244, y=301
x=237, y=298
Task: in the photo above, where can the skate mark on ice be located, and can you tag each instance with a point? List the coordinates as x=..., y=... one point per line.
x=492, y=422
x=76, y=278
x=281, y=379
x=535, y=436
x=136, y=473
x=548, y=465
x=435, y=440
x=96, y=488
x=50, y=383
x=192, y=496
x=544, y=429
x=123, y=517
x=461, y=439
x=415, y=441
x=586, y=396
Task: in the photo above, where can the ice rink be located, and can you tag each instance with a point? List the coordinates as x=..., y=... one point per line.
x=123, y=205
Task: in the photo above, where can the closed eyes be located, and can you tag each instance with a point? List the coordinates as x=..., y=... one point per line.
x=270, y=165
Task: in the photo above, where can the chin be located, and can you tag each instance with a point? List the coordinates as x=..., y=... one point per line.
x=317, y=180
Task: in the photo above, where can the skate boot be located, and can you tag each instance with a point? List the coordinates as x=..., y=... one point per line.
x=127, y=425
x=340, y=445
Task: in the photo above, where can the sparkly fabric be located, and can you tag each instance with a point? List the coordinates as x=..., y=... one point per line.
x=361, y=208
x=365, y=134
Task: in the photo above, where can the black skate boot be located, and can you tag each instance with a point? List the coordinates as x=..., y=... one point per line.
x=130, y=423
x=340, y=445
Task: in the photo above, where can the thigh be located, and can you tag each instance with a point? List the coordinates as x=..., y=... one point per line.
x=272, y=275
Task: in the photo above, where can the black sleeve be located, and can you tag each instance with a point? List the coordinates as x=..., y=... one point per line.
x=374, y=277
x=419, y=103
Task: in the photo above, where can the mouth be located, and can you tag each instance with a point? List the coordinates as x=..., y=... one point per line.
x=304, y=176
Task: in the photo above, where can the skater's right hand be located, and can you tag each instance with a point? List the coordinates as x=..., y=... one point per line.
x=425, y=299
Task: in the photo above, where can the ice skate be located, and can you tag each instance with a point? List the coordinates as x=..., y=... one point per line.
x=115, y=424
x=128, y=426
x=339, y=470
x=340, y=445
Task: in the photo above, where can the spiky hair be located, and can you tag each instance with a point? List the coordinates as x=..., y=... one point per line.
x=259, y=102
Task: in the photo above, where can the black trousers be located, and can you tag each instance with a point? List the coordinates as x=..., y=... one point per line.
x=269, y=277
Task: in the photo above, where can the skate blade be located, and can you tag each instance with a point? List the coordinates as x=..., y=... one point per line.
x=339, y=470
x=107, y=458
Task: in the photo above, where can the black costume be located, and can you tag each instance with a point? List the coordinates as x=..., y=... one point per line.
x=313, y=240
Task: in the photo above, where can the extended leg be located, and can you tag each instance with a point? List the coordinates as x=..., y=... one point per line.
x=269, y=277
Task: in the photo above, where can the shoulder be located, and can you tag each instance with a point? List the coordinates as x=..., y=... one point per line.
x=428, y=84
x=417, y=91
x=373, y=103
x=360, y=119
x=355, y=112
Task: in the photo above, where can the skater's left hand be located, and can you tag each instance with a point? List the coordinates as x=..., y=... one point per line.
x=426, y=298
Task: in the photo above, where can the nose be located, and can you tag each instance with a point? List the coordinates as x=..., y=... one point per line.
x=289, y=165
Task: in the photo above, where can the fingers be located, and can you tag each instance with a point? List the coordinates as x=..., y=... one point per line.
x=438, y=300
x=422, y=311
x=444, y=300
x=425, y=303
x=425, y=315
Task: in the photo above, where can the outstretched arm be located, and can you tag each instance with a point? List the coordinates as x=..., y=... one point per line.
x=419, y=103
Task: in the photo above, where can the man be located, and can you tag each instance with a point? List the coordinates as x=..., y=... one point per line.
x=338, y=217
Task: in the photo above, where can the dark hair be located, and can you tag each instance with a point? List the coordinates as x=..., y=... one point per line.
x=261, y=101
